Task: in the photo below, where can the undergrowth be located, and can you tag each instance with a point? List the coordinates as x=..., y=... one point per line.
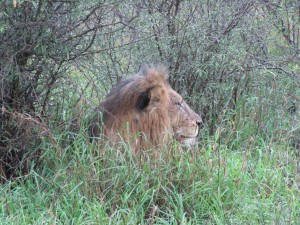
x=212, y=184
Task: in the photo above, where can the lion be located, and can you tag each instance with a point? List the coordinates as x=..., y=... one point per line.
x=146, y=112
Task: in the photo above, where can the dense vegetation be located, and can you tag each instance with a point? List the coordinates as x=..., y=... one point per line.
x=235, y=62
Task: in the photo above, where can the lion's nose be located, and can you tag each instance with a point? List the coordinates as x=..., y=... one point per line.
x=200, y=124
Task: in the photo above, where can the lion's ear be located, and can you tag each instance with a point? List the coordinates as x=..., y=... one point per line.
x=143, y=69
x=143, y=100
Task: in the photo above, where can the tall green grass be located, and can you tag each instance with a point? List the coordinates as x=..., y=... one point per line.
x=216, y=183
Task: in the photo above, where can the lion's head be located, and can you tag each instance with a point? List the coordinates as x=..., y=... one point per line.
x=145, y=111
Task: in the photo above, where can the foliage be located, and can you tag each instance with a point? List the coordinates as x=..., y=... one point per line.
x=41, y=43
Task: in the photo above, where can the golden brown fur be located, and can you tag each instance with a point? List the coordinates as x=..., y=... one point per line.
x=146, y=112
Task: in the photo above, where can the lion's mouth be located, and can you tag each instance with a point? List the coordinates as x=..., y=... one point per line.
x=187, y=140
x=182, y=137
x=186, y=136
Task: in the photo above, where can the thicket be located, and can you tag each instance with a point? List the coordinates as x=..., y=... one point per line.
x=235, y=62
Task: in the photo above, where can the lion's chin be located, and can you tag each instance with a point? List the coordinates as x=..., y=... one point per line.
x=189, y=142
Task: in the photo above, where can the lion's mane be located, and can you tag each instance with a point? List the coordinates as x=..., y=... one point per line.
x=136, y=110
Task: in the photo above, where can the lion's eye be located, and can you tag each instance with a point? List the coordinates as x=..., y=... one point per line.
x=179, y=104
